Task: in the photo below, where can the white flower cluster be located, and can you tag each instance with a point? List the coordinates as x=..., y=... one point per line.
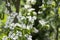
x=29, y=37
x=11, y=25
x=12, y=36
x=21, y=24
x=18, y=34
x=21, y=21
x=26, y=20
x=10, y=20
x=31, y=19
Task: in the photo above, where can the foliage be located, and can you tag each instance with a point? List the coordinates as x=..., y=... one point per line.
x=30, y=19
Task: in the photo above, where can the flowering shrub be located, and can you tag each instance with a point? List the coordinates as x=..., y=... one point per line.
x=30, y=20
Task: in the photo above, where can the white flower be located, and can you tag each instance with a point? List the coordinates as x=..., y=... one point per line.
x=44, y=9
x=27, y=6
x=29, y=27
x=23, y=26
x=23, y=18
x=18, y=33
x=12, y=26
x=15, y=37
x=19, y=18
x=31, y=9
x=28, y=13
x=10, y=34
x=34, y=13
x=20, y=25
x=42, y=22
x=40, y=12
x=29, y=37
x=34, y=17
x=14, y=14
x=31, y=19
x=10, y=19
x=17, y=24
x=35, y=30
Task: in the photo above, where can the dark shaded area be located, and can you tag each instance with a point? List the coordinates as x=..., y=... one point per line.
x=17, y=6
x=36, y=22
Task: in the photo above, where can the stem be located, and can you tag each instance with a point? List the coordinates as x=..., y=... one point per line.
x=17, y=5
